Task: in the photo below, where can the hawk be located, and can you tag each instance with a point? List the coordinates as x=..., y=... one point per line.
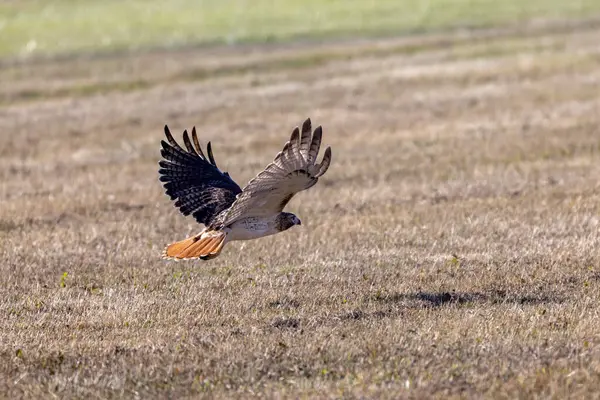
x=228, y=212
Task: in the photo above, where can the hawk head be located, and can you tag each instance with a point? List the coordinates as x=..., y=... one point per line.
x=286, y=220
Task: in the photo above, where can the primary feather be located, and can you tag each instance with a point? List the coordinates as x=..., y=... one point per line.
x=289, y=173
x=197, y=185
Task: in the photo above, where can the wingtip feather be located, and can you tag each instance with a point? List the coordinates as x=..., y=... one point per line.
x=210, y=154
x=325, y=162
x=171, y=139
x=197, y=143
x=295, y=138
x=188, y=143
x=315, y=145
x=305, y=138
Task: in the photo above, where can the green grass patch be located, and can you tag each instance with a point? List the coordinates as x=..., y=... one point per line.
x=35, y=27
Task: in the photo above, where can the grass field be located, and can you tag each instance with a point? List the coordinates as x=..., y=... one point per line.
x=451, y=250
x=34, y=27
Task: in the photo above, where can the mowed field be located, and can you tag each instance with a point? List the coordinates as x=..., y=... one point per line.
x=452, y=249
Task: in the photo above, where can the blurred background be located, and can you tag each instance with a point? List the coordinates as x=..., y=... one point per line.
x=57, y=27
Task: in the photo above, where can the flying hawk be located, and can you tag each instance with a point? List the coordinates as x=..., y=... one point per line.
x=227, y=211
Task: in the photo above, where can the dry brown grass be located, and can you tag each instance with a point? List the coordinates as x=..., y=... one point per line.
x=451, y=249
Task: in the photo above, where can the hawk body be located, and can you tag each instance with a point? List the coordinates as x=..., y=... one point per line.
x=228, y=212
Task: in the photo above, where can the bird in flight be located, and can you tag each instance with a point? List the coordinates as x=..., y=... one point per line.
x=228, y=212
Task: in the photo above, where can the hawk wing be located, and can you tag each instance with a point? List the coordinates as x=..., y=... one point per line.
x=197, y=185
x=292, y=171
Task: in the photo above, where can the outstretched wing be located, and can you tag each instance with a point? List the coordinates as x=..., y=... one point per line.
x=197, y=185
x=292, y=171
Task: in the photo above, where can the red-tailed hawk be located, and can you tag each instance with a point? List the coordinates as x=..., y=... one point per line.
x=227, y=211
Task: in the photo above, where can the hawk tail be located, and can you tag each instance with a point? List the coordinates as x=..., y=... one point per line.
x=206, y=245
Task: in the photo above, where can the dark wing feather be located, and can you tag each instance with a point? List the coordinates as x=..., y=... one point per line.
x=197, y=143
x=197, y=185
x=292, y=171
x=210, y=155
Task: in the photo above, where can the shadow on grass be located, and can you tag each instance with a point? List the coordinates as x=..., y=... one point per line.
x=396, y=304
x=438, y=299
